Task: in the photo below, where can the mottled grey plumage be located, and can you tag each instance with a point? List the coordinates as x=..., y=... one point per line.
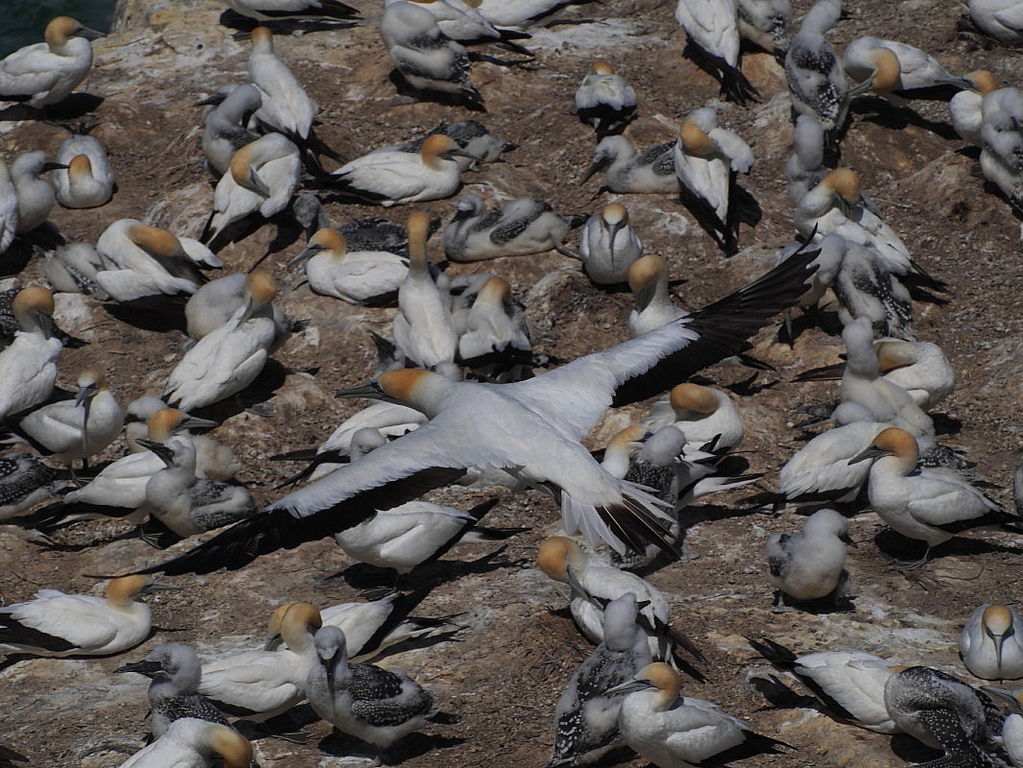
x=24, y=482
x=586, y=719
x=946, y=713
x=866, y=288
x=363, y=700
x=660, y=158
x=816, y=80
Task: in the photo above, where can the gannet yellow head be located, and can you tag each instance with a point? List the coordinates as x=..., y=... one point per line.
x=628, y=438
x=887, y=70
x=996, y=620
x=665, y=679
x=601, y=67
x=298, y=625
x=692, y=398
x=273, y=631
x=438, y=146
x=615, y=214
x=156, y=241
x=79, y=169
x=262, y=38
x=983, y=81
x=59, y=30
x=495, y=292
x=261, y=289
x=695, y=140
x=331, y=240
x=234, y=748
x=125, y=589
x=646, y=270
x=418, y=228
x=33, y=307
x=244, y=174
x=404, y=383
x=892, y=442
x=845, y=183
x=894, y=354
x=555, y=555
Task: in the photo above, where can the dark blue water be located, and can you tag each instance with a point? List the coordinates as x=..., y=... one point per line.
x=23, y=21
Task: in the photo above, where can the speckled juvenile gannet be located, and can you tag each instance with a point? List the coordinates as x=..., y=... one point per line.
x=276, y=10
x=57, y=624
x=991, y=643
x=72, y=268
x=74, y=430
x=262, y=177
x=262, y=684
x=943, y=712
x=187, y=504
x=520, y=227
x=1002, y=19
x=45, y=73
x=814, y=72
x=605, y=100
x=609, y=246
x=363, y=700
x=230, y=358
x=174, y=673
x=88, y=181
x=225, y=125
x=423, y=329
x=625, y=171
x=810, y=565
x=24, y=482
x=139, y=260
x=28, y=365
x=707, y=159
x=586, y=718
x=675, y=731
x=284, y=104
x=706, y=415
x=712, y=27
x=35, y=195
x=849, y=684
x=866, y=287
x=895, y=69
x=428, y=59
x=525, y=414
x=192, y=743
x=395, y=177
x=765, y=23
x=930, y=508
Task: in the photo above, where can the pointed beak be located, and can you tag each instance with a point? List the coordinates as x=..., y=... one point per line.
x=194, y=422
x=598, y=164
x=863, y=87
x=89, y=34
x=53, y=167
x=148, y=668
x=869, y=453
x=310, y=250
x=161, y=450
x=1008, y=697
x=159, y=586
x=370, y=390
x=612, y=232
x=257, y=185
x=847, y=539
x=457, y=152
x=629, y=687
x=85, y=394
x=273, y=642
x=211, y=101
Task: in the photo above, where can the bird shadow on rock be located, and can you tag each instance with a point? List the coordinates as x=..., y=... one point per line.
x=364, y=576
x=244, y=24
x=412, y=746
x=779, y=695
x=907, y=748
x=252, y=399
x=704, y=513
x=898, y=546
x=286, y=726
x=405, y=89
x=158, y=313
x=874, y=109
x=811, y=317
x=74, y=106
x=945, y=424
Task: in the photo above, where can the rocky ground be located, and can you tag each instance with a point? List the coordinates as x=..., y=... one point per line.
x=519, y=648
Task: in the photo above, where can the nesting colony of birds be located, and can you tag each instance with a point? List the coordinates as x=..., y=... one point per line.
x=513, y=383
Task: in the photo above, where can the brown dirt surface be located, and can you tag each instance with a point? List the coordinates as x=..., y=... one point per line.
x=519, y=648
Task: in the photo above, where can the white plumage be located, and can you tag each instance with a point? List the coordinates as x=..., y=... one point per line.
x=45, y=73
x=88, y=181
